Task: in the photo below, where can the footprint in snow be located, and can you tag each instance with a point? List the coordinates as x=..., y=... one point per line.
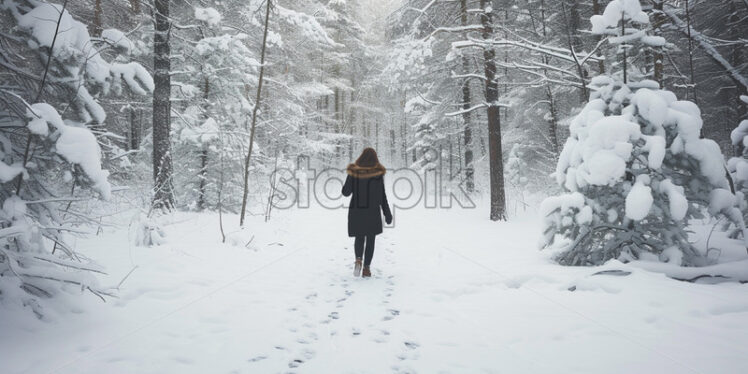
x=334, y=315
x=383, y=337
x=392, y=314
x=258, y=358
x=307, y=355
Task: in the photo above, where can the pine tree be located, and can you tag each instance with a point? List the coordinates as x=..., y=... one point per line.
x=634, y=168
x=56, y=161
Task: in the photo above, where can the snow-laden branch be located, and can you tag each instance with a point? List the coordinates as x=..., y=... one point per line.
x=708, y=48
x=473, y=108
x=562, y=54
x=469, y=76
x=424, y=9
x=463, y=111
x=458, y=29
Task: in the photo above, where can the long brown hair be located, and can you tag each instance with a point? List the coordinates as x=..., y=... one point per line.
x=368, y=158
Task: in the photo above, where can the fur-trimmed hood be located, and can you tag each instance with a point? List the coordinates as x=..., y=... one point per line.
x=363, y=172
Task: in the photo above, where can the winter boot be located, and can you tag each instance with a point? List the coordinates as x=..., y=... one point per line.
x=367, y=272
x=357, y=267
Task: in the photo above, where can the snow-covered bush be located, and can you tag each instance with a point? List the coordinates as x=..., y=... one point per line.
x=148, y=232
x=634, y=169
x=738, y=165
x=56, y=162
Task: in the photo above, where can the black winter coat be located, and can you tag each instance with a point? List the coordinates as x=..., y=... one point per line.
x=366, y=184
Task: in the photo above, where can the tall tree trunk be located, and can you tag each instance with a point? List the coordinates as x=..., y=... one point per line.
x=97, y=27
x=392, y=141
x=692, y=86
x=404, y=129
x=203, y=173
x=574, y=24
x=351, y=124
x=496, y=164
x=657, y=56
x=163, y=191
x=574, y=42
x=553, y=123
x=376, y=133
x=203, y=178
x=247, y=159
x=466, y=102
x=624, y=48
x=338, y=123
x=736, y=58
x=135, y=127
x=597, y=9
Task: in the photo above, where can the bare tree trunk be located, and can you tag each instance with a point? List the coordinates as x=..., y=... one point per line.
x=135, y=6
x=553, y=123
x=97, y=27
x=404, y=130
x=163, y=191
x=574, y=24
x=203, y=177
x=496, y=165
x=220, y=195
x=692, y=86
x=247, y=160
x=203, y=173
x=736, y=57
x=657, y=56
x=376, y=133
x=575, y=43
x=624, y=47
x=466, y=102
x=135, y=125
x=597, y=9
x=338, y=122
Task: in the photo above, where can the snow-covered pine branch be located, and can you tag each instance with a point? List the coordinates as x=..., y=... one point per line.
x=57, y=161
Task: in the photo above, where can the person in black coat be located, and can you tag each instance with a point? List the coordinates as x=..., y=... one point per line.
x=365, y=181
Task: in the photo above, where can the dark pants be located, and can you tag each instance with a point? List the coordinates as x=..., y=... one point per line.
x=358, y=245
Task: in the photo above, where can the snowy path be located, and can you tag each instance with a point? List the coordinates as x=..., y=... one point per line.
x=451, y=293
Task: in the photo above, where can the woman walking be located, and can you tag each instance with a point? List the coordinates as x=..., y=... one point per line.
x=365, y=182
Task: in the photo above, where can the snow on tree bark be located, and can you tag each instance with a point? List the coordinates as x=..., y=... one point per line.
x=163, y=195
x=466, y=104
x=248, y=158
x=498, y=197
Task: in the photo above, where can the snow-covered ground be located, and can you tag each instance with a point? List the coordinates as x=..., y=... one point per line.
x=452, y=293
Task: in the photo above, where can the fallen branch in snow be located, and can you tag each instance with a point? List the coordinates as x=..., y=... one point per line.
x=125, y=278
x=694, y=279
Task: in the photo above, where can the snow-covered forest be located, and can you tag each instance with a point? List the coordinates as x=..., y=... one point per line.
x=568, y=182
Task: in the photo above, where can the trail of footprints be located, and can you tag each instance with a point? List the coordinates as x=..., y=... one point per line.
x=306, y=337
